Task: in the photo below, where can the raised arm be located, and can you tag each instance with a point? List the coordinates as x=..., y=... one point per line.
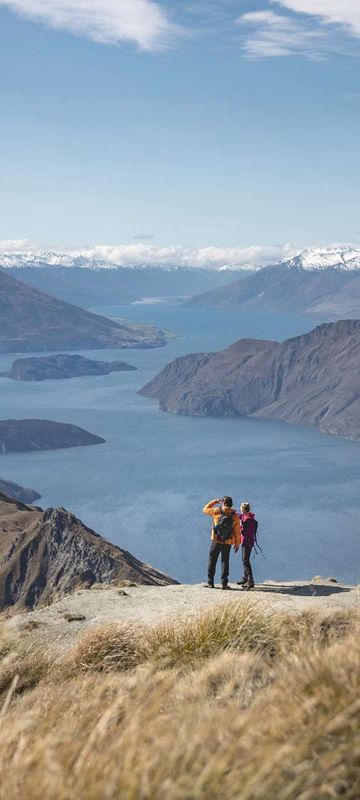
x=210, y=507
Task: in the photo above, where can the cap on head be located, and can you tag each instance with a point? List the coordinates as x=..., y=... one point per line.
x=227, y=501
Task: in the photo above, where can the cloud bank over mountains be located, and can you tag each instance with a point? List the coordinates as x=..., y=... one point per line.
x=23, y=252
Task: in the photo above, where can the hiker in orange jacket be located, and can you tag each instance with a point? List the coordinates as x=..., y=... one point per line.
x=225, y=533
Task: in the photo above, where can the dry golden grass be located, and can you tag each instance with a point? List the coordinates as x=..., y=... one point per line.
x=272, y=715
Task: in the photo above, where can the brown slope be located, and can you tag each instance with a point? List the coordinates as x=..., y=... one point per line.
x=43, y=553
x=32, y=321
x=311, y=380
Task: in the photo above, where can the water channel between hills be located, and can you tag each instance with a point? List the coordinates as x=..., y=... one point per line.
x=144, y=489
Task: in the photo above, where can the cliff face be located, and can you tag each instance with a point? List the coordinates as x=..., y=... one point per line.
x=32, y=321
x=24, y=435
x=43, y=553
x=311, y=380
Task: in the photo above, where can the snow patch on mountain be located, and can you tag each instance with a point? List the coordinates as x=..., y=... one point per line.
x=342, y=257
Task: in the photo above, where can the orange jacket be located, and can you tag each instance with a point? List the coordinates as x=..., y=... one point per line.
x=213, y=509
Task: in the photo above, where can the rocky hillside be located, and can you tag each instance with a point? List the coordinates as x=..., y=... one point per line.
x=24, y=435
x=32, y=321
x=18, y=492
x=61, y=366
x=309, y=380
x=48, y=553
x=322, y=283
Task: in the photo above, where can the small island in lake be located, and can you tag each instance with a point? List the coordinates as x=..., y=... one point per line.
x=24, y=435
x=60, y=367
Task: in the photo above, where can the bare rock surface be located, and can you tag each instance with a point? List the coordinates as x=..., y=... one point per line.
x=311, y=379
x=149, y=605
x=50, y=553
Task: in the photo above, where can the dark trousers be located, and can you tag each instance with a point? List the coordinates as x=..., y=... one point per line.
x=215, y=549
x=246, y=553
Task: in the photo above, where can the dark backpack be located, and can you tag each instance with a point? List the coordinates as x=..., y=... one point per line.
x=223, y=529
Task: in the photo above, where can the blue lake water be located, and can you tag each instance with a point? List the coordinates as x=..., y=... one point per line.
x=144, y=489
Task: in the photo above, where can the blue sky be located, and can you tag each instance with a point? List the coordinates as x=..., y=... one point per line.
x=224, y=124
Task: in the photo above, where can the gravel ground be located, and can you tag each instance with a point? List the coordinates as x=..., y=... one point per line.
x=148, y=605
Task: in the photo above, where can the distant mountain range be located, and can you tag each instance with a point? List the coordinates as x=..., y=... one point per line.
x=32, y=321
x=95, y=283
x=313, y=379
x=323, y=283
x=48, y=553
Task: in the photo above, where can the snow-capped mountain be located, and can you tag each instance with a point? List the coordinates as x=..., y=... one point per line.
x=343, y=257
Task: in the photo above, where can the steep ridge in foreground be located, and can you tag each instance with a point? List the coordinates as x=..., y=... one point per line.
x=32, y=321
x=312, y=379
x=43, y=553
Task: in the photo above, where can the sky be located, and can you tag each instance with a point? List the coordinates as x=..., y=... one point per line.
x=193, y=124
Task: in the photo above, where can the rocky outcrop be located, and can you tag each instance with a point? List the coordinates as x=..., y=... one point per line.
x=309, y=380
x=24, y=435
x=51, y=553
x=18, y=492
x=32, y=321
x=61, y=366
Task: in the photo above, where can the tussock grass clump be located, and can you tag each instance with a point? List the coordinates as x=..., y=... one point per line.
x=237, y=627
x=106, y=648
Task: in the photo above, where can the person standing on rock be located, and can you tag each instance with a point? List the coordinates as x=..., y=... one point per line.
x=225, y=532
x=248, y=526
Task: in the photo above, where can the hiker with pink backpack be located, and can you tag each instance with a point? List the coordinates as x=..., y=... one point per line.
x=248, y=528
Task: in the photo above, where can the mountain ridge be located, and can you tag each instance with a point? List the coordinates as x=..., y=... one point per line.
x=48, y=553
x=310, y=379
x=32, y=321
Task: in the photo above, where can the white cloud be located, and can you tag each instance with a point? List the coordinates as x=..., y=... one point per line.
x=275, y=35
x=16, y=246
x=107, y=21
x=341, y=12
x=23, y=252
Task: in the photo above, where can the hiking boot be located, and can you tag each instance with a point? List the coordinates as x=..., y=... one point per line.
x=241, y=583
x=226, y=587
x=247, y=587
x=208, y=585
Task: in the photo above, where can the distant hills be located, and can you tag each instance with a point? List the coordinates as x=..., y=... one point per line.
x=32, y=321
x=95, y=284
x=323, y=283
x=48, y=553
x=313, y=379
x=25, y=435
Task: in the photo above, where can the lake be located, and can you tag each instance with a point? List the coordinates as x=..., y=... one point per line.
x=145, y=488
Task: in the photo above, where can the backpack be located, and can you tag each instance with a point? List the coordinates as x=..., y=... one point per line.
x=223, y=529
x=249, y=528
